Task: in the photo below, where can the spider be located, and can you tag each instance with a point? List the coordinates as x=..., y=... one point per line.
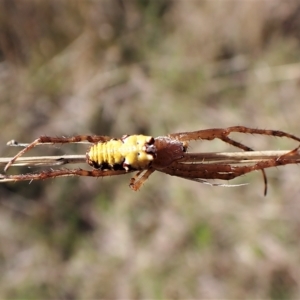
x=167, y=154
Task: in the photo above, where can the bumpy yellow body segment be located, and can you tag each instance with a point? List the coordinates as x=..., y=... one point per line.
x=131, y=152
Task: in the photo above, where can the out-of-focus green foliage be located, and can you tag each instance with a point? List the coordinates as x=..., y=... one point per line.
x=115, y=67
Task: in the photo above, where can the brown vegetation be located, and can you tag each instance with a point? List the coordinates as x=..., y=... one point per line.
x=115, y=67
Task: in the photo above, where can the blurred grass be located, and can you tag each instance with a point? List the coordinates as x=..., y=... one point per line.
x=115, y=67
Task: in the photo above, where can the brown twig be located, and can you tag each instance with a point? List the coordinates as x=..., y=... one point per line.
x=207, y=157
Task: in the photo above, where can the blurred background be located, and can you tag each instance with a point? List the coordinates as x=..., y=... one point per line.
x=115, y=67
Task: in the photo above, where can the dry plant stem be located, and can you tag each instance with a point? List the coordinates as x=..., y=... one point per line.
x=222, y=165
x=50, y=161
x=239, y=157
x=168, y=154
x=205, y=157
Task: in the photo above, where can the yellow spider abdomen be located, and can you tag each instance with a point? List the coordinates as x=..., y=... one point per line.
x=134, y=152
x=106, y=153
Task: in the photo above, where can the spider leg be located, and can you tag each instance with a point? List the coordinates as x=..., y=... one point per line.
x=222, y=171
x=138, y=180
x=213, y=171
x=60, y=173
x=57, y=140
x=220, y=133
x=228, y=140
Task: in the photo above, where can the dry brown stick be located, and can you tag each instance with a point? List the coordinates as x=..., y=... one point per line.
x=44, y=160
x=211, y=157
